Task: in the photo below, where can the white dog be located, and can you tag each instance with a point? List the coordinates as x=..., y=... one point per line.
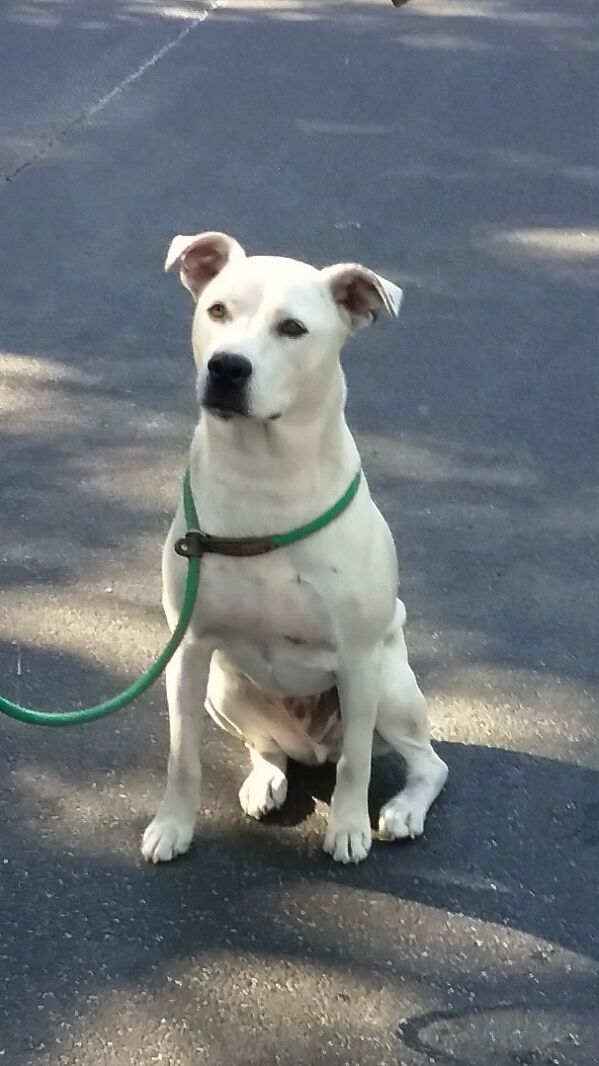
x=300, y=652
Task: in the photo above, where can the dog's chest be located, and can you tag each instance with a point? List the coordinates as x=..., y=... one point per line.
x=276, y=621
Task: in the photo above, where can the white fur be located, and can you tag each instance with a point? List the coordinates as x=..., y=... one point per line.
x=271, y=634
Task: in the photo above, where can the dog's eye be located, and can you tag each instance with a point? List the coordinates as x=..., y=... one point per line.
x=290, y=327
x=217, y=312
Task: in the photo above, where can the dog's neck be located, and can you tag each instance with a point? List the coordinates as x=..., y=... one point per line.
x=252, y=478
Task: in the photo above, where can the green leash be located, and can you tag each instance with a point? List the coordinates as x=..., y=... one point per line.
x=193, y=546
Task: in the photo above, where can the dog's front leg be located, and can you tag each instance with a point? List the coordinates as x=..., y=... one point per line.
x=348, y=837
x=171, y=831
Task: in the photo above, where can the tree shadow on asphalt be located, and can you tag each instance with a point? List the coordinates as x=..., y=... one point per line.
x=479, y=377
x=96, y=918
x=512, y=839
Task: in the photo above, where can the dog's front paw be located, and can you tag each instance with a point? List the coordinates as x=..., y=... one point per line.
x=402, y=818
x=264, y=790
x=167, y=835
x=348, y=839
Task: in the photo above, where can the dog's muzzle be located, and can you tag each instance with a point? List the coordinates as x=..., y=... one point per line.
x=226, y=390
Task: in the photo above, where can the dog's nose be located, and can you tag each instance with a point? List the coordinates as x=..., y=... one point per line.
x=227, y=369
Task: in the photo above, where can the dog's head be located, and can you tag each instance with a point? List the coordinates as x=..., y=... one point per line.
x=267, y=331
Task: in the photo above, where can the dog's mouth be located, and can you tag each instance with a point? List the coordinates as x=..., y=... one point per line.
x=224, y=412
x=224, y=403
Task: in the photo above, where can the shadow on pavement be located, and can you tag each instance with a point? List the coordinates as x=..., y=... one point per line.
x=92, y=918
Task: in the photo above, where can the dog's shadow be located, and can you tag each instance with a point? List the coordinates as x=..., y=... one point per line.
x=309, y=786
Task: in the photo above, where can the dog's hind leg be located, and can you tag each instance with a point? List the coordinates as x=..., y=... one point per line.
x=265, y=787
x=402, y=721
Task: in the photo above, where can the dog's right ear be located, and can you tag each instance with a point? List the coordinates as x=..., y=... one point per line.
x=201, y=258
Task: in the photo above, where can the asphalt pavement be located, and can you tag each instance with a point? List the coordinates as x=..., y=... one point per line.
x=453, y=145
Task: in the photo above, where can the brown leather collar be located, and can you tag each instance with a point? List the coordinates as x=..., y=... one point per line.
x=195, y=544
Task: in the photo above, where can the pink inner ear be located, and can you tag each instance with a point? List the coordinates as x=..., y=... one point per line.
x=358, y=295
x=202, y=264
x=203, y=261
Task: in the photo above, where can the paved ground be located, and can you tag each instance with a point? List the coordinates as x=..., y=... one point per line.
x=452, y=144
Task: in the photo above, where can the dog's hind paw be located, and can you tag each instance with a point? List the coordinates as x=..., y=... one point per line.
x=264, y=790
x=402, y=818
x=166, y=837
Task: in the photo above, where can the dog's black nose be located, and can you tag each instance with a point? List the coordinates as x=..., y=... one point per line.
x=228, y=370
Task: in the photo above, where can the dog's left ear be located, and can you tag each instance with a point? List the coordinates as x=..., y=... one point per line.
x=360, y=294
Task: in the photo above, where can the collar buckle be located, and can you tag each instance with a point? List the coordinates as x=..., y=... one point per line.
x=191, y=545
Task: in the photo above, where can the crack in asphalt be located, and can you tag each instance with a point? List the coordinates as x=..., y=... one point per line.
x=115, y=92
